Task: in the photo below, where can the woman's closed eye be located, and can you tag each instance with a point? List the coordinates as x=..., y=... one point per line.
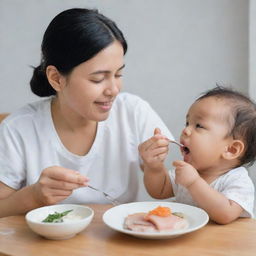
x=118, y=74
x=97, y=78
x=97, y=81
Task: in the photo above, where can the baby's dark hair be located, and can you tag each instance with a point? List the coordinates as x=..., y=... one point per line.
x=242, y=119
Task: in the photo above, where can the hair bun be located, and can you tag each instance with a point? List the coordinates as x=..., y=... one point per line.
x=39, y=83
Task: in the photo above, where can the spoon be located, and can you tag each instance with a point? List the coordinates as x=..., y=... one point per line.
x=184, y=148
x=107, y=196
x=175, y=142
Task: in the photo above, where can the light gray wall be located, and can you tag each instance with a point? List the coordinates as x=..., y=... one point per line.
x=252, y=69
x=252, y=49
x=177, y=49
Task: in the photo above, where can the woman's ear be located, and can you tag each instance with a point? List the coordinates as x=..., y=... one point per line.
x=234, y=150
x=54, y=78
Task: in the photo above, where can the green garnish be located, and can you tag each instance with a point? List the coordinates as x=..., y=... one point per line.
x=56, y=217
x=179, y=214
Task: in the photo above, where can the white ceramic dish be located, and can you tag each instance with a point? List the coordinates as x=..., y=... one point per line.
x=114, y=218
x=63, y=230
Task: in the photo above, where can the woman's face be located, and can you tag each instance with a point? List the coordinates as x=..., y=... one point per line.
x=89, y=91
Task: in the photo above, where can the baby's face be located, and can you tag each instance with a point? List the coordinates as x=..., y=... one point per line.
x=204, y=136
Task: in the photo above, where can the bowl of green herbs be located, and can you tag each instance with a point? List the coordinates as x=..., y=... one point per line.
x=61, y=221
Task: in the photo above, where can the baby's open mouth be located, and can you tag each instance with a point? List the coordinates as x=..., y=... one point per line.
x=186, y=150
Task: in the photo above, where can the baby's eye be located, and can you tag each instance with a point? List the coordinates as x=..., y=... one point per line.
x=186, y=124
x=199, y=126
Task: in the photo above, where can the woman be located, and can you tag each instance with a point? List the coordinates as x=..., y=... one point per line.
x=84, y=132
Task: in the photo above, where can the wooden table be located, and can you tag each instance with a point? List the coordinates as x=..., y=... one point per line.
x=237, y=238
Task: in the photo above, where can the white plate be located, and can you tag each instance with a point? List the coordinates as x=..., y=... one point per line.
x=114, y=218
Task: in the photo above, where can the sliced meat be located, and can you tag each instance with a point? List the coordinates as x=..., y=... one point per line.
x=167, y=223
x=136, y=222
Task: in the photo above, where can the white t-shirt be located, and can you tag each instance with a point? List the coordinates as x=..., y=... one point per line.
x=236, y=185
x=30, y=143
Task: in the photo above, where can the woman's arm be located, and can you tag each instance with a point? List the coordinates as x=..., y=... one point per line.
x=54, y=185
x=14, y=202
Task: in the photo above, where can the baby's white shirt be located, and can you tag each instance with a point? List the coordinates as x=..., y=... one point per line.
x=236, y=185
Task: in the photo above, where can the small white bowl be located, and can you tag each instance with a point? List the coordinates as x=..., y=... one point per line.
x=63, y=230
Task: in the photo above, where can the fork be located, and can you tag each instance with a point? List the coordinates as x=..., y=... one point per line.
x=107, y=196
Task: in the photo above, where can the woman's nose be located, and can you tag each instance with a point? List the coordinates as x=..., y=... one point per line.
x=113, y=87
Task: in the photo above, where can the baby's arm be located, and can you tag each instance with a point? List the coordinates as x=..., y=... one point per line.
x=156, y=178
x=220, y=209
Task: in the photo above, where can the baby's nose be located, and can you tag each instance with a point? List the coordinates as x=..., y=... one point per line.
x=187, y=131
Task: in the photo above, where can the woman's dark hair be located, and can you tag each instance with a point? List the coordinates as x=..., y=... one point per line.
x=73, y=36
x=241, y=119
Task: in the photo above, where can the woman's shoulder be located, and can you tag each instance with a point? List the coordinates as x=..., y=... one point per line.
x=27, y=112
x=130, y=101
x=128, y=97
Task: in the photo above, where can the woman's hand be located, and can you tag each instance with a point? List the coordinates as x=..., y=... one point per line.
x=185, y=174
x=56, y=184
x=154, y=151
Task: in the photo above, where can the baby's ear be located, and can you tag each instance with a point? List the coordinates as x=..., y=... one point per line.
x=234, y=150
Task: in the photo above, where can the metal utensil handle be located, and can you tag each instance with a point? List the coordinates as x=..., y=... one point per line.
x=107, y=196
x=89, y=186
x=110, y=198
x=175, y=142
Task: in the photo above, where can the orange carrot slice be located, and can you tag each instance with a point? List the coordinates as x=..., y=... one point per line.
x=161, y=211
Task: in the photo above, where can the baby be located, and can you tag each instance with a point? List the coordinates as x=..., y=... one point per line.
x=219, y=139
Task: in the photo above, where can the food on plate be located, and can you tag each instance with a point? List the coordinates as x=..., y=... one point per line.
x=160, y=219
x=136, y=222
x=161, y=211
x=56, y=217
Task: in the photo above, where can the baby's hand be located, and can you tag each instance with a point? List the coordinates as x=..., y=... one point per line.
x=154, y=150
x=185, y=174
